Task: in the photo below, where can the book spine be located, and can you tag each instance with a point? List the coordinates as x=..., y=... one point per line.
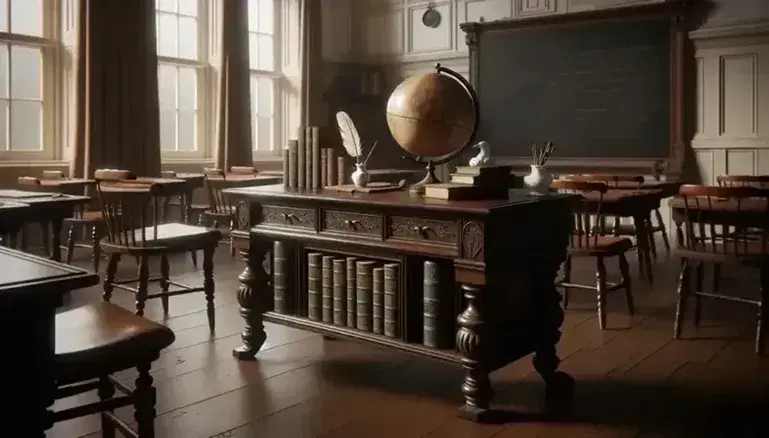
x=307, y=159
x=327, y=288
x=377, y=301
x=330, y=167
x=280, y=277
x=300, y=161
x=340, y=292
x=351, y=291
x=341, y=170
x=292, y=169
x=312, y=134
x=314, y=285
x=323, y=173
x=363, y=294
x=286, y=166
x=432, y=308
x=391, y=305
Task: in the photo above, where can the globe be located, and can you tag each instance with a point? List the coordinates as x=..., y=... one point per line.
x=433, y=115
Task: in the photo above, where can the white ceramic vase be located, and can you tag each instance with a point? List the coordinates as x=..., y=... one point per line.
x=360, y=175
x=538, y=181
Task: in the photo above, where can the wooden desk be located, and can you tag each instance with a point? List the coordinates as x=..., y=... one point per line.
x=41, y=206
x=752, y=211
x=504, y=253
x=67, y=183
x=31, y=288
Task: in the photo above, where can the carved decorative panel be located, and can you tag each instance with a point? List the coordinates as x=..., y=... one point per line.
x=472, y=241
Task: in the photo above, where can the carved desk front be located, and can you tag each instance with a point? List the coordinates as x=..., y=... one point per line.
x=501, y=256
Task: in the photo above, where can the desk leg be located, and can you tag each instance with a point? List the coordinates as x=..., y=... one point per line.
x=56, y=238
x=472, y=343
x=253, y=292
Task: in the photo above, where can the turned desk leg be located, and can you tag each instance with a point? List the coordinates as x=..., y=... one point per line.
x=254, y=285
x=472, y=344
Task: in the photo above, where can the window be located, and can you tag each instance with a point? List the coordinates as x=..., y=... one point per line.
x=27, y=129
x=263, y=54
x=180, y=75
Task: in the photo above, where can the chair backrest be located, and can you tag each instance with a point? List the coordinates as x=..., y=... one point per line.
x=113, y=175
x=588, y=219
x=130, y=211
x=167, y=174
x=53, y=174
x=212, y=172
x=759, y=181
x=220, y=203
x=243, y=170
x=716, y=219
x=611, y=181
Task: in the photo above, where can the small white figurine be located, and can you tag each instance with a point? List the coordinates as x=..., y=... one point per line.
x=483, y=156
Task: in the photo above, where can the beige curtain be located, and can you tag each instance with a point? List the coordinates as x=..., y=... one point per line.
x=233, y=135
x=117, y=115
x=311, y=100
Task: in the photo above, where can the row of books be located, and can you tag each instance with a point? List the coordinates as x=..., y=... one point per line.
x=307, y=165
x=353, y=292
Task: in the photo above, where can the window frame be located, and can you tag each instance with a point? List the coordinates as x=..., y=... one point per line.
x=50, y=92
x=204, y=129
x=278, y=84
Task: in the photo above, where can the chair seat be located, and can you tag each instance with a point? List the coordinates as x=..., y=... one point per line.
x=169, y=236
x=750, y=252
x=603, y=246
x=99, y=336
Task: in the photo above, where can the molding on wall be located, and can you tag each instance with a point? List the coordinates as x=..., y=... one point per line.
x=743, y=29
x=705, y=142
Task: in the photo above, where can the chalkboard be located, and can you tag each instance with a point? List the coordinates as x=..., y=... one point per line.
x=596, y=89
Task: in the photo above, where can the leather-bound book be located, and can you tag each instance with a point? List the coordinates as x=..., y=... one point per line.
x=292, y=164
x=307, y=158
x=301, y=157
x=377, y=301
x=391, y=304
x=363, y=294
x=340, y=292
x=352, y=277
x=312, y=135
x=323, y=170
x=286, y=166
x=327, y=288
x=280, y=277
x=433, y=307
x=341, y=170
x=314, y=301
x=330, y=167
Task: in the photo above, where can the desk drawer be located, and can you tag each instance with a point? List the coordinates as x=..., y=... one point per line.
x=293, y=217
x=352, y=223
x=423, y=230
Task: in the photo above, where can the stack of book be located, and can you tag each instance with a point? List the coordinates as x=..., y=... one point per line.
x=472, y=183
x=307, y=165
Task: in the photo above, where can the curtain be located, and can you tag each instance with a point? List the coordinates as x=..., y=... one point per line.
x=116, y=88
x=311, y=57
x=233, y=137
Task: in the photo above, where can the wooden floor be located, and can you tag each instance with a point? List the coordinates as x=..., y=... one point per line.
x=632, y=379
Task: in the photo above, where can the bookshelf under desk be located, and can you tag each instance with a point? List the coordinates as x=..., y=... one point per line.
x=361, y=266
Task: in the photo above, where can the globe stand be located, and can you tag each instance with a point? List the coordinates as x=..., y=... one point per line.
x=419, y=187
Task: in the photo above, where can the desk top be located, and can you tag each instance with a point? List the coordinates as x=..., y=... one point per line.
x=66, y=182
x=27, y=274
x=395, y=199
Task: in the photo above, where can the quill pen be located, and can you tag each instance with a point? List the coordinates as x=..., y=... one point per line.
x=349, y=134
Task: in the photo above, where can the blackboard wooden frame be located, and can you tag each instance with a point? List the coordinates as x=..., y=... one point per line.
x=676, y=12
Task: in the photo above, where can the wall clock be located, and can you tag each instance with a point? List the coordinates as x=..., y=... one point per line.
x=431, y=17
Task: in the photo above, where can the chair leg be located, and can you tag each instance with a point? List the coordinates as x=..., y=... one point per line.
x=763, y=311
x=232, y=239
x=144, y=283
x=164, y=274
x=663, y=230
x=683, y=292
x=208, y=283
x=96, y=234
x=566, y=279
x=652, y=240
x=106, y=391
x=144, y=401
x=70, y=244
x=699, y=280
x=194, y=258
x=109, y=278
x=600, y=275
x=624, y=268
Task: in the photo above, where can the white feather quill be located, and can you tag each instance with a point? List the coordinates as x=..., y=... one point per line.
x=350, y=136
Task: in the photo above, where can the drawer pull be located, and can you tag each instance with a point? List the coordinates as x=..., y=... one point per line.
x=288, y=217
x=351, y=223
x=422, y=231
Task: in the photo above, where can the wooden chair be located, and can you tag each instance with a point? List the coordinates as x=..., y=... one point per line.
x=96, y=341
x=710, y=213
x=133, y=227
x=588, y=241
x=221, y=210
x=757, y=181
x=196, y=209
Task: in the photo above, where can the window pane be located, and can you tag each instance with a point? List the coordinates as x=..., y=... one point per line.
x=3, y=125
x=168, y=130
x=167, y=86
x=264, y=97
x=253, y=51
x=25, y=72
x=188, y=7
x=265, y=50
x=253, y=15
x=266, y=16
x=187, y=89
x=3, y=17
x=188, y=37
x=254, y=84
x=4, y=71
x=166, y=5
x=26, y=125
x=167, y=34
x=187, y=131
x=27, y=17
x=264, y=134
